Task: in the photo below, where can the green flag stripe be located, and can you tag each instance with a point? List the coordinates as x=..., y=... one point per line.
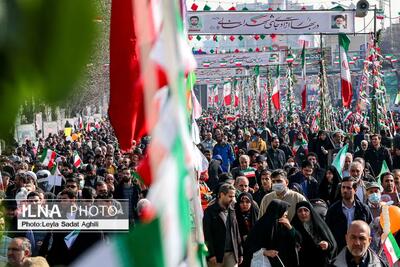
x=394, y=245
x=147, y=252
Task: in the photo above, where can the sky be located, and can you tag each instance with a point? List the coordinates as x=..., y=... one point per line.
x=395, y=8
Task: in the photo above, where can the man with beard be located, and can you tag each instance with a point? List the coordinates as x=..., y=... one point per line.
x=363, y=148
x=91, y=175
x=127, y=189
x=221, y=230
x=318, y=172
x=275, y=156
x=357, y=251
x=341, y=214
x=389, y=188
x=377, y=154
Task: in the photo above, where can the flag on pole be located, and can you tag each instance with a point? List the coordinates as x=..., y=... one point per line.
x=131, y=42
x=384, y=169
x=216, y=94
x=338, y=161
x=55, y=178
x=80, y=123
x=48, y=157
x=236, y=103
x=391, y=249
x=275, y=91
x=304, y=77
x=347, y=90
x=227, y=94
x=165, y=240
x=77, y=160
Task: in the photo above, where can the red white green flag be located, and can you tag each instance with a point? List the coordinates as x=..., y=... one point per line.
x=77, y=160
x=347, y=90
x=165, y=240
x=304, y=81
x=391, y=249
x=275, y=91
x=48, y=158
x=227, y=94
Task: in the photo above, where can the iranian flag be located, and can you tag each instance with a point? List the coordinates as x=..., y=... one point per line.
x=162, y=241
x=275, y=91
x=80, y=123
x=227, y=94
x=236, y=94
x=384, y=169
x=77, y=160
x=347, y=115
x=391, y=249
x=216, y=94
x=134, y=76
x=48, y=158
x=347, y=90
x=304, y=77
x=236, y=103
x=338, y=161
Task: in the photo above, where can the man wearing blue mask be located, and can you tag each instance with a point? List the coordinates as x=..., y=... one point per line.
x=281, y=191
x=374, y=192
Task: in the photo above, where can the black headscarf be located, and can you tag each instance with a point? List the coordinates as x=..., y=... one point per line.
x=327, y=196
x=320, y=229
x=240, y=216
x=264, y=232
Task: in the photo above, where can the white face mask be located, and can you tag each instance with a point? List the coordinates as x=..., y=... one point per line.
x=279, y=188
x=291, y=164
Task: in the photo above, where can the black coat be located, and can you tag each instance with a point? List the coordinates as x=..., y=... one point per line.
x=268, y=233
x=60, y=254
x=337, y=222
x=310, y=253
x=276, y=158
x=375, y=158
x=215, y=232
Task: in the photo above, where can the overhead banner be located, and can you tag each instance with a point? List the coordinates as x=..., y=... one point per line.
x=215, y=73
x=271, y=22
x=238, y=59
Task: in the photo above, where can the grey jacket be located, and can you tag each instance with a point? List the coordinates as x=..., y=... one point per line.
x=374, y=260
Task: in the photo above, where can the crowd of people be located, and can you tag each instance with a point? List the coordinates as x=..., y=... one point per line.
x=106, y=174
x=274, y=196
x=270, y=190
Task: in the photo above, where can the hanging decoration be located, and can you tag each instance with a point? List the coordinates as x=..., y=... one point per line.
x=194, y=7
x=290, y=83
x=206, y=7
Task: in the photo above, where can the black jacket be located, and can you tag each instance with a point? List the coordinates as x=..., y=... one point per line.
x=276, y=158
x=215, y=232
x=337, y=222
x=375, y=158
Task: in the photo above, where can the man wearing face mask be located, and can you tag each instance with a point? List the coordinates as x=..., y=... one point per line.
x=374, y=191
x=281, y=191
